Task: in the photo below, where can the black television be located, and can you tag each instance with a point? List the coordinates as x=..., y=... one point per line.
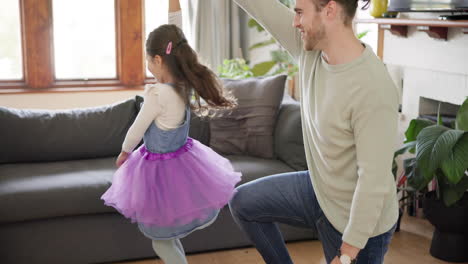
x=428, y=6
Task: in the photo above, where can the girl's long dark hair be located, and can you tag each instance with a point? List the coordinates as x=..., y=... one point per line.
x=194, y=80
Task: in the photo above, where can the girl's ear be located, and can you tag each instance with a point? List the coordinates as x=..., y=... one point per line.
x=157, y=60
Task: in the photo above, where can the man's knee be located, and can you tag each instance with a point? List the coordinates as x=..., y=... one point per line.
x=239, y=201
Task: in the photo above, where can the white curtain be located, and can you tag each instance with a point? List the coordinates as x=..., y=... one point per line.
x=213, y=29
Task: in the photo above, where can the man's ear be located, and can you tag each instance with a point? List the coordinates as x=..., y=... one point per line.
x=331, y=10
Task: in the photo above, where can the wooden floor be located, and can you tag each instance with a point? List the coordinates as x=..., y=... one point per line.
x=410, y=245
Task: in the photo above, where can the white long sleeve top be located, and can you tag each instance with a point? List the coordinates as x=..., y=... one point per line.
x=162, y=105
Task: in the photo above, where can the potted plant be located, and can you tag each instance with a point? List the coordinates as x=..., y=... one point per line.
x=441, y=156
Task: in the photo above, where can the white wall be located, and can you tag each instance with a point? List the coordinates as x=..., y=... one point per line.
x=64, y=100
x=430, y=68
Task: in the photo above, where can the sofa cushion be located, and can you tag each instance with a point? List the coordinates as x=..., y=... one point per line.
x=248, y=129
x=32, y=191
x=52, y=189
x=253, y=168
x=52, y=135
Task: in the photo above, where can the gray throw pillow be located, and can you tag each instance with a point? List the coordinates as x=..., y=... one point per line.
x=200, y=129
x=289, y=143
x=53, y=135
x=248, y=129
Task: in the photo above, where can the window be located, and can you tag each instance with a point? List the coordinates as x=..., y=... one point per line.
x=84, y=39
x=371, y=37
x=11, y=66
x=155, y=15
x=56, y=44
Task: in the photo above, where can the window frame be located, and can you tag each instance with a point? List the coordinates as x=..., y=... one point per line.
x=36, y=21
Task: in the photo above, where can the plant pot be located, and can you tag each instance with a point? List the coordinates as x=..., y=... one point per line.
x=450, y=239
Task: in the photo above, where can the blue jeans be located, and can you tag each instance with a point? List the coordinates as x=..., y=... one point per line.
x=289, y=198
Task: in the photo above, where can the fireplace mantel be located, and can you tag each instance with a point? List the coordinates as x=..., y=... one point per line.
x=434, y=28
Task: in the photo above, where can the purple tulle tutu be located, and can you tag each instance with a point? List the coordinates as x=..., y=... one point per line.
x=172, y=189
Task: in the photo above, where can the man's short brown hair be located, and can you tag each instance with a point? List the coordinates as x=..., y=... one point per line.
x=349, y=7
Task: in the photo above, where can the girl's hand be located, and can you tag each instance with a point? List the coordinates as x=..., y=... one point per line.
x=121, y=159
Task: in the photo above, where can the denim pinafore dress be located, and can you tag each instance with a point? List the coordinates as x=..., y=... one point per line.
x=161, y=141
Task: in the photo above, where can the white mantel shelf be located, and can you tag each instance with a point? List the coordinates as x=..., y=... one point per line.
x=435, y=28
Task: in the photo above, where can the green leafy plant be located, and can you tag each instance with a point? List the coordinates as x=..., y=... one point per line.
x=362, y=34
x=280, y=63
x=441, y=154
x=235, y=69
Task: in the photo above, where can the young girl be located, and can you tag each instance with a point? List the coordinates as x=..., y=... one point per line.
x=172, y=185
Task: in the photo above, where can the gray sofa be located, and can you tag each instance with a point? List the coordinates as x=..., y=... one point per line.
x=55, y=165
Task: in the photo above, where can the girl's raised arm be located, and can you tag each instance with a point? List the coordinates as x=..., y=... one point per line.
x=175, y=13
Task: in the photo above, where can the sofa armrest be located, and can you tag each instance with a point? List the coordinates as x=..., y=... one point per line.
x=288, y=140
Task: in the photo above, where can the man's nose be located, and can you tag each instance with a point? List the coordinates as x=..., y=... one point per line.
x=296, y=23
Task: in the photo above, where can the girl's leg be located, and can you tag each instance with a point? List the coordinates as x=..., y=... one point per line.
x=170, y=251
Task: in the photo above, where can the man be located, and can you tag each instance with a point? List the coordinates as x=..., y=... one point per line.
x=349, y=108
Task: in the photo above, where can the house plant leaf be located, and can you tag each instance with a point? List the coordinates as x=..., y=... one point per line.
x=428, y=157
x=362, y=34
x=263, y=68
x=415, y=126
x=461, y=122
x=444, y=145
x=451, y=193
x=405, y=148
x=254, y=24
x=400, y=151
x=262, y=44
x=234, y=69
x=456, y=162
x=413, y=174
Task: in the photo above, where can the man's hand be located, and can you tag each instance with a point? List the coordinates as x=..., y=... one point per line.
x=349, y=250
x=121, y=159
x=174, y=6
x=336, y=260
x=346, y=249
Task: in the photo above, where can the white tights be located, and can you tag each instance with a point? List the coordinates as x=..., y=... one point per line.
x=170, y=251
